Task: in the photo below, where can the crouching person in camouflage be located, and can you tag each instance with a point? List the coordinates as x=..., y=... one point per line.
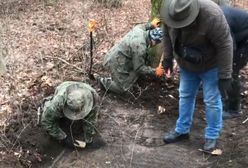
x=77, y=102
x=127, y=60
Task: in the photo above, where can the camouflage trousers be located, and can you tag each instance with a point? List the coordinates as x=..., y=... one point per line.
x=119, y=82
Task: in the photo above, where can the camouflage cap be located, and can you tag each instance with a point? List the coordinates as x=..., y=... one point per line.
x=79, y=102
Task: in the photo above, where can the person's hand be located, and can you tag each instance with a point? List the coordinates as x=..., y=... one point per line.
x=159, y=71
x=225, y=86
x=168, y=67
x=69, y=142
x=155, y=22
x=79, y=144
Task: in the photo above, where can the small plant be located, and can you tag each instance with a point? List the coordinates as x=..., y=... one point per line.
x=111, y=3
x=50, y=2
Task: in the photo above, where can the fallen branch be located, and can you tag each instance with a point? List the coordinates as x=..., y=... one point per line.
x=132, y=151
x=140, y=91
x=5, y=102
x=57, y=158
x=19, y=135
x=66, y=62
x=245, y=121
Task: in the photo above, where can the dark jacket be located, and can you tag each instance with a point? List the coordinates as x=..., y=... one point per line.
x=238, y=22
x=210, y=35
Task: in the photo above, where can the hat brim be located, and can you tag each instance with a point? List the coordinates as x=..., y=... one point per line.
x=166, y=18
x=89, y=101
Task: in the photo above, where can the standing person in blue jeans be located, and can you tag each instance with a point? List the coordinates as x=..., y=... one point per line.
x=198, y=37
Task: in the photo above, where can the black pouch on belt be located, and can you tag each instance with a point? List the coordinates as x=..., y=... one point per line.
x=192, y=54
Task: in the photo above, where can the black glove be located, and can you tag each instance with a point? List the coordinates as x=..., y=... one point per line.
x=69, y=142
x=168, y=65
x=225, y=86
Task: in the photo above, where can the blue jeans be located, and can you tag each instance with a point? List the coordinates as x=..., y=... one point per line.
x=189, y=85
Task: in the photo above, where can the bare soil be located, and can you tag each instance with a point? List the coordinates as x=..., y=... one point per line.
x=47, y=43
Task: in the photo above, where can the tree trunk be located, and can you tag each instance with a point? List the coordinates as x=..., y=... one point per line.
x=156, y=51
x=155, y=8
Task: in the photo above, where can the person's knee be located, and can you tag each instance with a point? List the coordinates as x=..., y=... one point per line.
x=186, y=94
x=213, y=101
x=116, y=88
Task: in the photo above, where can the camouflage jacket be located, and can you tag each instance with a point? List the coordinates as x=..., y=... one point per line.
x=53, y=109
x=127, y=60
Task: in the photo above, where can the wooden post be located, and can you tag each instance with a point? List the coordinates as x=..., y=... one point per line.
x=91, y=28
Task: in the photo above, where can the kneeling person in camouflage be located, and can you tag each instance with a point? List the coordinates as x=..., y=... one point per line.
x=75, y=101
x=127, y=60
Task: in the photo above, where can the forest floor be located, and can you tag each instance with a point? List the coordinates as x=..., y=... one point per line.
x=46, y=43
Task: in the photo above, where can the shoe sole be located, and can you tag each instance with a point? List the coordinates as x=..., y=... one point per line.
x=181, y=138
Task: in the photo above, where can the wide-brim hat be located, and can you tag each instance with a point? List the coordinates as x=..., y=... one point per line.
x=79, y=102
x=179, y=13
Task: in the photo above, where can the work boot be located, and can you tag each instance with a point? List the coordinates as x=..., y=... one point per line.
x=231, y=114
x=174, y=136
x=209, y=145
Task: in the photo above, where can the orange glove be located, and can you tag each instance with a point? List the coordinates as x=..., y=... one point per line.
x=159, y=71
x=155, y=22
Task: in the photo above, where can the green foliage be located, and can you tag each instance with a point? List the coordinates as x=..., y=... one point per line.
x=155, y=7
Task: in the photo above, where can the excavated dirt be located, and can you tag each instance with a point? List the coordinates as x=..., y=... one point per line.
x=48, y=43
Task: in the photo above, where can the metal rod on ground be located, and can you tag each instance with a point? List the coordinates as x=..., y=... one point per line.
x=91, y=27
x=245, y=121
x=91, y=56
